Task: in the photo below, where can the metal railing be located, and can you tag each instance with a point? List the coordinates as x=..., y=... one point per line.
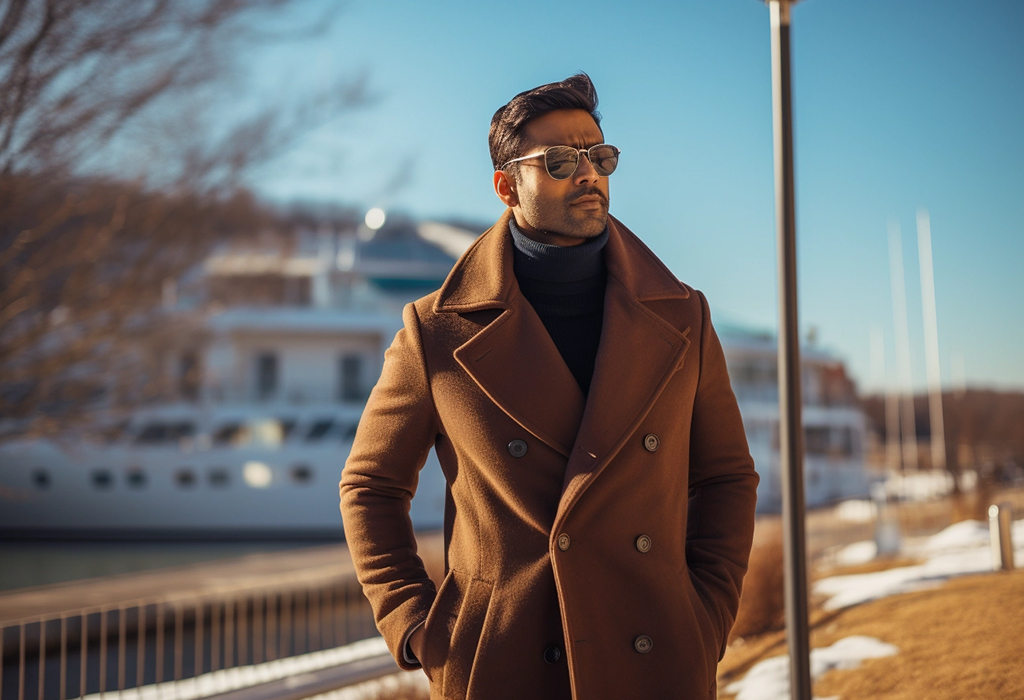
x=114, y=647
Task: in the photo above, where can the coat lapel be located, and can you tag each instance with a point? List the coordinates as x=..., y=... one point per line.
x=638, y=353
x=516, y=364
x=512, y=359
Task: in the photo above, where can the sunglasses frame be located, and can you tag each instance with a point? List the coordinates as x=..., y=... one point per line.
x=585, y=151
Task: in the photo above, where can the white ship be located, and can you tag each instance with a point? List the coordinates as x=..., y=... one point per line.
x=269, y=398
x=835, y=428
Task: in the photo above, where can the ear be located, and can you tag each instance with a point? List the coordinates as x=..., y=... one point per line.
x=504, y=187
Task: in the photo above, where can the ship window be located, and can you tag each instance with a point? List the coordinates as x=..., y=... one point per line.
x=266, y=375
x=183, y=429
x=102, y=478
x=816, y=440
x=257, y=474
x=41, y=478
x=152, y=434
x=351, y=376
x=302, y=474
x=185, y=478
x=158, y=432
x=235, y=434
x=845, y=447
x=319, y=429
x=219, y=476
x=287, y=425
x=189, y=378
x=114, y=431
x=136, y=478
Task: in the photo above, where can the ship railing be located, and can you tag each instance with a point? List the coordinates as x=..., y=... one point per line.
x=160, y=647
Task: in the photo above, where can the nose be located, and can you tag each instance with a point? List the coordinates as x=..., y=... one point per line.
x=585, y=171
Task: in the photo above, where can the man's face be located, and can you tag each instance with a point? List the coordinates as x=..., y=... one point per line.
x=562, y=212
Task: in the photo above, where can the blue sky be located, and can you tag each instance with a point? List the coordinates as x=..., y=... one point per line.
x=898, y=106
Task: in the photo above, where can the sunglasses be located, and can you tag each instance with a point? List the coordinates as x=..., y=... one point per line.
x=561, y=161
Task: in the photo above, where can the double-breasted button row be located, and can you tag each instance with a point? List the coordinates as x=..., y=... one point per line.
x=517, y=448
x=552, y=654
x=563, y=542
x=651, y=442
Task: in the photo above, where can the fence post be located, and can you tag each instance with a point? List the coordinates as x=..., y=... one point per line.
x=1000, y=518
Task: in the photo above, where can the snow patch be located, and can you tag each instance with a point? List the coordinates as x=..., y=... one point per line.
x=857, y=511
x=962, y=548
x=857, y=553
x=769, y=679
x=396, y=685
x=239, y=677
x=962, y=535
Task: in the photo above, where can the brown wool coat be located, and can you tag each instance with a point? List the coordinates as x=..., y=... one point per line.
x=624, y=551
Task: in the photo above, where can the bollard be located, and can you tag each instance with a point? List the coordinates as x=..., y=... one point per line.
x=999, y=518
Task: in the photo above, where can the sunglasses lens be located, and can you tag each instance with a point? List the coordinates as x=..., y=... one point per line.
x=604, y=159
x=561, y=161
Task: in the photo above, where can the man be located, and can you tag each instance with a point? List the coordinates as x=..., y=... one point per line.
x=601, y=495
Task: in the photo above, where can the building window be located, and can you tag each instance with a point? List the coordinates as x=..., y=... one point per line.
x=351, y=378
x=266, y=375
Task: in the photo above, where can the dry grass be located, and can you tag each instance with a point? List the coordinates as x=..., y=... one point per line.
x=961, y=640
x=762, y=605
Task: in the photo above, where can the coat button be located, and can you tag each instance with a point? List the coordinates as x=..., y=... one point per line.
x=517, y=448
x=651, y=442
x=643, y=543
x=563, y=542
x=643, y=644
x=552, y=654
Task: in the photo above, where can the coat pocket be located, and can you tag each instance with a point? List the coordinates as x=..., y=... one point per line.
x=708, y=629
x=464, y=639
x=441, y=617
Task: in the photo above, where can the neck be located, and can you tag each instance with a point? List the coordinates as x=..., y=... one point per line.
x=546, y=261
x=546, y=237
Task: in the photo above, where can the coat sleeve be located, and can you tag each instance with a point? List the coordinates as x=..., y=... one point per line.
x=723, y=487
x=395, y=434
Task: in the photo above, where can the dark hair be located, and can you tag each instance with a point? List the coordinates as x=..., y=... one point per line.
x=508, y=123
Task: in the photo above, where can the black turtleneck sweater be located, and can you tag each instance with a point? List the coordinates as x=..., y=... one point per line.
x=565, y=285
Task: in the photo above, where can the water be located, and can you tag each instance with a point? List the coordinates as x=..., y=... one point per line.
x=38, y=563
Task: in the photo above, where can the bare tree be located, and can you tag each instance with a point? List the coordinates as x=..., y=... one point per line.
x=90, y=245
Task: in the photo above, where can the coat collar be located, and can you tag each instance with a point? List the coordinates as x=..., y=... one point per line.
x=483, y=277
x=515, y=362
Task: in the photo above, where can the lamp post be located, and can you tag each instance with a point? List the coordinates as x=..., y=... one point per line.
x=791, y=452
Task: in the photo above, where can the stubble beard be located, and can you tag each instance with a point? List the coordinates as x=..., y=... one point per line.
x=570, y=221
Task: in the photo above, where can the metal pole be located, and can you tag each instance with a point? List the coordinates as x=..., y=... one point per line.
x=790, y=422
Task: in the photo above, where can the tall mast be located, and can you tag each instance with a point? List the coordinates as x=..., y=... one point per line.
x=902, y=329
x=931, y=340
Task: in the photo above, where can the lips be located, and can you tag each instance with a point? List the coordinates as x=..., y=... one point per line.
x=589, y=200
